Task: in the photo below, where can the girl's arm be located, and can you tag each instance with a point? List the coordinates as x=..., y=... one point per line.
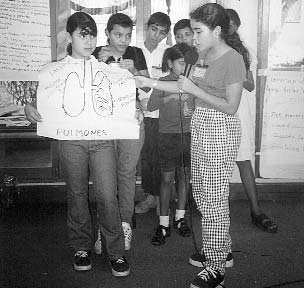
x=249, y=83
x=32, y=113
x=167, y=86
x=228, y=104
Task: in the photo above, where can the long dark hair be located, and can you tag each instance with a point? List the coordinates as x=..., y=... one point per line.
x=213, y=15
x=172, y=53
x=234, y=39
x=83, y=21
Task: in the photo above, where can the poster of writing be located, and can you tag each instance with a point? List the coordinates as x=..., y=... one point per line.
x=25, y=38
x=282, y=149
x=86, y=100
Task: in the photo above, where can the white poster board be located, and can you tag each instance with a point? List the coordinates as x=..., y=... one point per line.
x=282, y=148
x=25, y=39
x=86, y=100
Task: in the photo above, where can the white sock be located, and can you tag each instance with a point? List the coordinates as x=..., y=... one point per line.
x=179, y=214
x=164, y=221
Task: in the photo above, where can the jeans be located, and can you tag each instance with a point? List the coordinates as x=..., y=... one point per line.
x=79, y=159
x=150, y=173
x=127, y=153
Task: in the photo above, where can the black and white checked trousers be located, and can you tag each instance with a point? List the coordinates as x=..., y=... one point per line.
x=215, y=138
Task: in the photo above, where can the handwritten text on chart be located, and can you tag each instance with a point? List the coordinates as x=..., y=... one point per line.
x=282, y=148
x=25, y=44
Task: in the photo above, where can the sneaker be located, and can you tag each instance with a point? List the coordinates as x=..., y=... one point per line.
x=160, y=236
x=198, y=260
x=82, y=261
x=146, y=205
x=120, y=267
x=128, y=234
x=182, y=227
x=208, y=278
x=98, y=244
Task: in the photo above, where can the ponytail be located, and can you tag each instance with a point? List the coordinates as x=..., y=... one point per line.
x=234, y=41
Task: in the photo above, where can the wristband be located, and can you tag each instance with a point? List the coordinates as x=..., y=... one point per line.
x=154, y=85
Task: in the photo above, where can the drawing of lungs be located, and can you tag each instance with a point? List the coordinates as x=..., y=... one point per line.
x=73, y=102
x=101, y=95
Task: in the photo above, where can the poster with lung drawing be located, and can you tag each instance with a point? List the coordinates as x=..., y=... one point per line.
x=86, y=100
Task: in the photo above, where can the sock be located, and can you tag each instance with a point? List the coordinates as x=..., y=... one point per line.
x=164, y=221
x=178, y=215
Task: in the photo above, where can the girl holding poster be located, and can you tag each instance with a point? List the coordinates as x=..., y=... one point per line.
x=83, y=158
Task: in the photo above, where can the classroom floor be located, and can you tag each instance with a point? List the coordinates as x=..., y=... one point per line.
x=34, y=251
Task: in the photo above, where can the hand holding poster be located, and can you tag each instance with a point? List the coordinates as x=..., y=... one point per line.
x=86, y=100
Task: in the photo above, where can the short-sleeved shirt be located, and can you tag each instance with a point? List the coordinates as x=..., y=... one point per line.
x=169, y=112
x=133, y=53
x=154, y=63
x=225, y=70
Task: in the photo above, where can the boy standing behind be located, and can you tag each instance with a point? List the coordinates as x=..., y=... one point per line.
x=158, y=27
x=119, y=53
x=183, y=32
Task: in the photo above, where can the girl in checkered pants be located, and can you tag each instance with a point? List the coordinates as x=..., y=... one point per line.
x=217, y=83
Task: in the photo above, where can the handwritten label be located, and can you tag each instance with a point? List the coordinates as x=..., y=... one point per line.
x=282, y=149
x=25, y=44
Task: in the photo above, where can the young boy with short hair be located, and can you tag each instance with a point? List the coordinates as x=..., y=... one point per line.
x=183, y=32
x=118, y=52
x=157, y=29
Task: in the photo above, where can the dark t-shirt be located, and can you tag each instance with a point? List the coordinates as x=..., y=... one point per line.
x=133, y=53
x=169, y=113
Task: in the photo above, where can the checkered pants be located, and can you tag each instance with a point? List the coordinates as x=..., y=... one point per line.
x=215, y=138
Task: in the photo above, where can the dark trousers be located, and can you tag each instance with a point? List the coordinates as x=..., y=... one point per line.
x=150, y=169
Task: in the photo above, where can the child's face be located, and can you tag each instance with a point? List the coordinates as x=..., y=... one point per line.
x=120, y=38
x=203, y=37
x=83, y=43
x=177, y=66
x=232, y=27
x=155, y=34
x=184, y=35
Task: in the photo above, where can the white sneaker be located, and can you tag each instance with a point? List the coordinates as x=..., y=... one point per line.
x=98, y=244
x=146, y=205
x=128, y=234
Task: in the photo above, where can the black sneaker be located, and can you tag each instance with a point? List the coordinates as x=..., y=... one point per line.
x=208, y=278
x=182, y=227
x=160, y=236
x=120, y=267
x=199, y=259
x=82, y=261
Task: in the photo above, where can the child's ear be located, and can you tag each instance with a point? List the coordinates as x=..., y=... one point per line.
x=68, y=37
x=170, y=64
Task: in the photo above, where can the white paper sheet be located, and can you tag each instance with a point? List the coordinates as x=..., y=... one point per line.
x=282, y=149
x=88, y=100
x=25, y=38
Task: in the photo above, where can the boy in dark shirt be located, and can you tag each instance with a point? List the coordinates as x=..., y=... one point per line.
x=120, y=54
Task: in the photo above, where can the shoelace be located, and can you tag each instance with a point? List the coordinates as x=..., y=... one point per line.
x=81, y=254
x=120, y=260
x=205, y=274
